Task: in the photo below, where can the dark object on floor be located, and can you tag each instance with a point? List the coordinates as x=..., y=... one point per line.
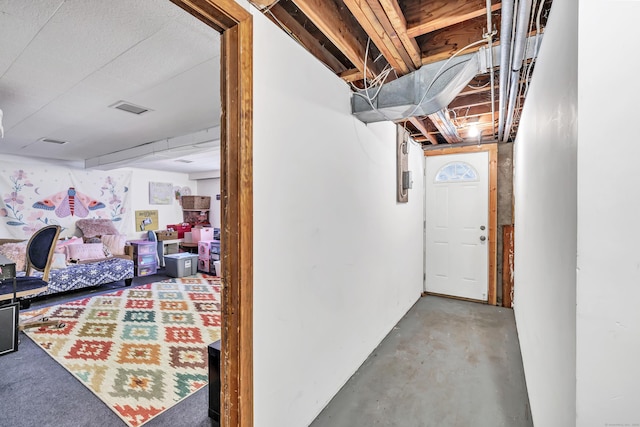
x=214, y=381
x=39, y=255
x=8, y=312
x=9, y=330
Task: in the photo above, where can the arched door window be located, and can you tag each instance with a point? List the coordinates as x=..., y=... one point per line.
x=456, y=172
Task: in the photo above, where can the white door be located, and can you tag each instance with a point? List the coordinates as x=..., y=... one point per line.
x=457, y=225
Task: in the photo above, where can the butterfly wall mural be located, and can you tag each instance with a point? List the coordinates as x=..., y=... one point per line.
x=69, y=202
x=34, y=196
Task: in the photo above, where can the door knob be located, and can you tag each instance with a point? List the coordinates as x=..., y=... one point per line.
x=482, y=238
x=482, y=227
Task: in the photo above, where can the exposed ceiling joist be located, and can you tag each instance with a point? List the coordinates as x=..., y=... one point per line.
x=471, y=100
x=442, y=44
x=381, y=34
x=471, y=112
x=399, y=24
x=426, y=16
x=408, y=35
x=336, y=23
x=264, y=4
x=352, y=75
x=478, y=89
x=422, y=128
x=296, y=30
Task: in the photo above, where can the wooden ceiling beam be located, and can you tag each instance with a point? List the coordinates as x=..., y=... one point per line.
x=352, y=75
x=483, y=124
x=458, y=105
x=422, y=128
x=336, y=24
x=263, y=4
x=426, y=16
x=476, y=110
x=480, y=89
x=396, y=18
x=296, y=30
x=440, y=45
x=380, y=36
x=470, y=100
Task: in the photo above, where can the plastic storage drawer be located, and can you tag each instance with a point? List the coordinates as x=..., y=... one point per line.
x=148, y=259
x=146, y=270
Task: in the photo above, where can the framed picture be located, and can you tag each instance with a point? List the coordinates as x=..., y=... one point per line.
x=160, y=193
x=146, y=220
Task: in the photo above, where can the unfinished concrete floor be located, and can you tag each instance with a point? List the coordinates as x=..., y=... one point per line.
x=446, y=363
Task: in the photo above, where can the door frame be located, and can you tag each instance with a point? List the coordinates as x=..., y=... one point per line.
x=236, y=184
x=492, y=149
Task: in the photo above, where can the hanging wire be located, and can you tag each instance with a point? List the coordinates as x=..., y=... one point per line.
x=385, y=71
x=535, y=49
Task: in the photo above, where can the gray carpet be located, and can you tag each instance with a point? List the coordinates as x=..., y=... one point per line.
x=37, y=391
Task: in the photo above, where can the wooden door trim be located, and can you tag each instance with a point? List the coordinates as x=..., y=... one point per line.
x=236, y=184
x=493, y=206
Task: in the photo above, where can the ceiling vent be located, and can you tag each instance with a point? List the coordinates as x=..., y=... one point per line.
x=129, y=107
x=53, y=141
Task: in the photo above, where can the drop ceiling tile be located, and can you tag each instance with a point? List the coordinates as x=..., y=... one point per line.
x=92, y=33
x=16, y=108
x=15, y=35
x=34, y=92
x=180, y=50
x=32, y=11
x=93, y=53
x=179, y=97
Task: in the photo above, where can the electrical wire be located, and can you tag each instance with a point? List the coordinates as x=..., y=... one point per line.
x=268, y=8
x=479, y=87
x=535, y=49
x=366, y=88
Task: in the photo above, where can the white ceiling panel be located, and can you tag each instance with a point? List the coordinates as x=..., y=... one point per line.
x=32, y=12
x=180, y=51
x=92, y=33
x=63, y=63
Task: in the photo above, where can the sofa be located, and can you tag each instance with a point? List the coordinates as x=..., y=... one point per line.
x=82, y=274
x=90, y=273
x=79, y=262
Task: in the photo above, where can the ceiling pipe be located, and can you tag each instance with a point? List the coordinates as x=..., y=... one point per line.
x=519, y=43
x=489, y=36
x=442, y=120
x=506, y=26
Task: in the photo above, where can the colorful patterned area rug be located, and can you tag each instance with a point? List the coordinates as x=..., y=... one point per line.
x=141, y=350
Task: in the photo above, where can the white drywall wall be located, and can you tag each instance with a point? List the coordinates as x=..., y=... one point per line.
x=337, y=260
x=167, y=214
x=545, y=223
x=608, y=312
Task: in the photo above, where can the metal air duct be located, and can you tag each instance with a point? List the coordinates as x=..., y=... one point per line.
x=423, y=92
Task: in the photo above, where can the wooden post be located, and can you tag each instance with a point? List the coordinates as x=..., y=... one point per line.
x=507, y=266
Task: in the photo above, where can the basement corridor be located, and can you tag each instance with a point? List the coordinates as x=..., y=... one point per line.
x=447, y=363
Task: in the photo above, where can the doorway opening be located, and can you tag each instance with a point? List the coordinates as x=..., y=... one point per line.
x=445, y=254
x=235, y=25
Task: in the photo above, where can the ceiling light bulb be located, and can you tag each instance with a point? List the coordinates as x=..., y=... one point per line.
x=473, y=131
